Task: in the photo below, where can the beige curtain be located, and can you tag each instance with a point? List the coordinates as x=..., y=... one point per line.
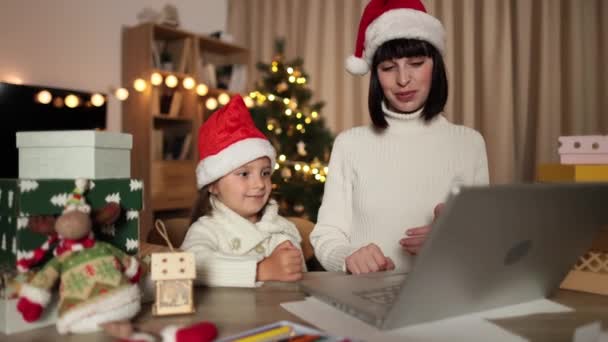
x=521, y=72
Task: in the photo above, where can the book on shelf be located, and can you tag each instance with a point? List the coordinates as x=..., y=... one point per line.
x=186, y=144
x=176, y=104
x=155, y=101
x=157, y=144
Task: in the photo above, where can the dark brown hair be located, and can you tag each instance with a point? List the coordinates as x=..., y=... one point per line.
x=402, y=47
x=202, y=206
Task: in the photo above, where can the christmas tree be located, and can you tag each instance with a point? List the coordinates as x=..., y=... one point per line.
x=282, y=110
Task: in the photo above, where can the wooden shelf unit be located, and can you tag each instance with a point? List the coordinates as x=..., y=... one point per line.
x=169, y=185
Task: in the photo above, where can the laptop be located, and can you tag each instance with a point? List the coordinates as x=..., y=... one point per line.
x=491, y=246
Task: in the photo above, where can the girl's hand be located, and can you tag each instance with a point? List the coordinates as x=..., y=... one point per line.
x=284, y=264
x=417, y=236
x=368, y=259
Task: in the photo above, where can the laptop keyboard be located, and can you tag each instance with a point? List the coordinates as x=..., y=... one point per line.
x=381, y=295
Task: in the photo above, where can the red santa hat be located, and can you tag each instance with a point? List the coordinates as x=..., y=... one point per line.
x=228, y=140
x=385, y=20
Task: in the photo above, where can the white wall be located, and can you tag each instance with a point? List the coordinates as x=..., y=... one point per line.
x=76, y=44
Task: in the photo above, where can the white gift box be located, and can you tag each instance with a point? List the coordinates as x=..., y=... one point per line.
x=74, y=154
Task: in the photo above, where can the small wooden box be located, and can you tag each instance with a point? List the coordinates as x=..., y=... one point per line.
x=590, y=274
x=74, y=154
x=173, y=274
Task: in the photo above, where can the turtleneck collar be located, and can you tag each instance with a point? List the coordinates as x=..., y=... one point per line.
x=410, y=121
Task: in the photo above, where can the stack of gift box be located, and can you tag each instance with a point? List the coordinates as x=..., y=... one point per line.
x=583, y=159
x=49, y=163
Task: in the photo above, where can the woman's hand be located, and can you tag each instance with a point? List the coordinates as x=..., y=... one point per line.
x=284, y=264
x=368, y=259
x=417, y=236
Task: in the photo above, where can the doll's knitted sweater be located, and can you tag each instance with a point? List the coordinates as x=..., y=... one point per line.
x=92, y=280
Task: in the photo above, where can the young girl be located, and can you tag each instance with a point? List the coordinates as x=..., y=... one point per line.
x=387, y=180
x=237, y=236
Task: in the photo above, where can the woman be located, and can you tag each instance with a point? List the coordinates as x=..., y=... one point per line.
x=387, y=180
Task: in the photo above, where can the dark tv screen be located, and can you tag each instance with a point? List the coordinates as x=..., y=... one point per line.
x=20, y=112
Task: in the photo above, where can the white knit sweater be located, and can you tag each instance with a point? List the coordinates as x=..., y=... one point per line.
x=381, y=183
x=228, y=247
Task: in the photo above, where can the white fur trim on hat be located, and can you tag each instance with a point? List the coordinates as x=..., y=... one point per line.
x=169, y=334
x=118, y=305
x=403, y=23
x=35, y=294
x=232, y=157
x=356, y=66
x=133, y=267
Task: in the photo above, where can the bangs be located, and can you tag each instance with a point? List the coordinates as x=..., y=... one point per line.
x=402, y=47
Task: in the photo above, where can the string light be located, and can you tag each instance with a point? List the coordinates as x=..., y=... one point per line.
x=288, y=112
x=308, y=120
x=248, y=102
x=139, y=85
x=211, y=103
x=314, y=115
x=97, y=100
x=290, y=70
x=223, y=98
x=171, y=81
x=121, y=94
x=282, y=158
x=202, y=89
x=72, y=101
x=156, y=79
x=271, y=97
x=286, y=101
x=188, y=83
x=292, y=79
x=299, y=115
x=44, y=97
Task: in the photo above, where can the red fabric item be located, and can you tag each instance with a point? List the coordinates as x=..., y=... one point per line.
x=376, y=8
x=135, y=279
x=29, y=310
x=66, y=245
x=24, y=264
x=228, y=125
x=200, y=332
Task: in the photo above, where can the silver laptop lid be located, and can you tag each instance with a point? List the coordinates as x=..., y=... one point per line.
x=499, y=245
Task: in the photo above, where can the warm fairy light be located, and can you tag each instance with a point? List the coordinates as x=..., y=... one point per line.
x=248, y=102
x=323, y=178
x=317, y=176
x=290, y=70
x=97, y=100
x=171, y=81
x=270, y=127
x=288, y=112
x=72, y=101
x=308, y=120
x=44, y=97
x=303, y=130
x=188, y=83
x=306, y=168
x=223, y=98
x=292, y=79
x=271, y=97
x=286, y=101
x=299, y=126
x=139, y=85
x=211, y=103
x=282, y=158
x=252, y=94
x=299, y=115
x=315, y=171
x=301, y=80
x=274, y=68
x=276, y=166
x=156, y=79
x=325, y=170
x=202, y=89
x=297, y=167
x=314, y=115
x=121, y=94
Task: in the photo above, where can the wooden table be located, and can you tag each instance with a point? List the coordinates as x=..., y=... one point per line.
x=237, y=309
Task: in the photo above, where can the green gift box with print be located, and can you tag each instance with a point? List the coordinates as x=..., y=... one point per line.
x=21, y=199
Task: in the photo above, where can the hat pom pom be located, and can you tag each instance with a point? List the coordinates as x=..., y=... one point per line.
x=356, y=65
